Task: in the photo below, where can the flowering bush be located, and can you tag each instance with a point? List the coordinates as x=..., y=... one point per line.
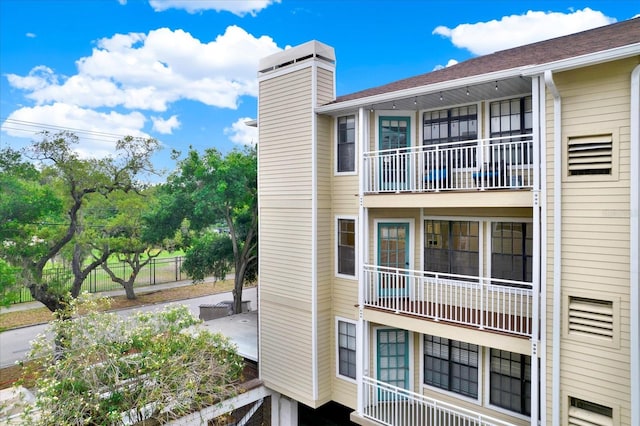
x=105, y=369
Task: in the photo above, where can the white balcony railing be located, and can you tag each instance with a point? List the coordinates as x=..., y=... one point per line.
x=484, y=303
x=499, y=163
x=390, y=405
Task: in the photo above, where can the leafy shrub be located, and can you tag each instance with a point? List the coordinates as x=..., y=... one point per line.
x=106, y=369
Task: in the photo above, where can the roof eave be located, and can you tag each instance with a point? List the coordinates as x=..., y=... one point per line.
x=420, y=90
x=525, y=71
x=585, y=60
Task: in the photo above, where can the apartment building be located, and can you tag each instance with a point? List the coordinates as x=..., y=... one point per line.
x=456, y=248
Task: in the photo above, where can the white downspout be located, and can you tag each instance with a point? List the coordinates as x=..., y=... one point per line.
x=535, y=332
x=361, y=349
x=542, y=199
x=557, y=247
x=635, y=245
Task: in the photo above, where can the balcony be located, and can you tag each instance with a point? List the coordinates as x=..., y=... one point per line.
x=390, y=405
x=478, y=302
x=494, y=163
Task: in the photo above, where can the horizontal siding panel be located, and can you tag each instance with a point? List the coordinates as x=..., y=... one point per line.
x=344, y=392
x=599, y=258
x=594, y=214
x=604, y=189
x=285, y=337
x=615, y=242
x=616, y=276
x=603, y=369
x=574, y=226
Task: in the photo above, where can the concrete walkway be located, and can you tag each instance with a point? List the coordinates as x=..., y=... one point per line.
x=242, y=328
x=117, y=292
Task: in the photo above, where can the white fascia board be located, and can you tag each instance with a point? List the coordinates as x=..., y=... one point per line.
x=584, y=60
x=420, y=90
x=526, y=71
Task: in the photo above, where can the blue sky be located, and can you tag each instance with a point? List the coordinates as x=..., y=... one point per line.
x=185, y=71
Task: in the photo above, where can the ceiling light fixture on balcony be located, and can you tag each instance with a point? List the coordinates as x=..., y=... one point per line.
x=415, y=100
x=467, y=91
x=394, y=105
x=371, y=109
x=441, y=97
x=496, y=85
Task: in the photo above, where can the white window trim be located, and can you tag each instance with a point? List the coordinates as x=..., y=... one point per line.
x=337, y=340
x=482, y=238
x=487, y=388
x=479, y=120
x=489, y=245
x=477, y=401
x=356, y=160
x=356, y=248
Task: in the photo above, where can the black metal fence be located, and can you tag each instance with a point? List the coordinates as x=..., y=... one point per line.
x=157, y=271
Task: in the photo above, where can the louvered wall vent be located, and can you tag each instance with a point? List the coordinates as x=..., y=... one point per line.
x=590, y=155
x=591, y=318
x=583, y=413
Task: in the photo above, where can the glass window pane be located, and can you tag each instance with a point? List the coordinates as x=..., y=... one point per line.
x=451, y=365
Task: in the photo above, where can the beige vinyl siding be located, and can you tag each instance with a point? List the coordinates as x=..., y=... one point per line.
x=287, y=247
x=325, y=86
x=285, y=358
x=285, y=138
x=345, y=297
x=344, y=203
x=595, y=233
x=324, y=241
x=344, y=391
x=344, y=291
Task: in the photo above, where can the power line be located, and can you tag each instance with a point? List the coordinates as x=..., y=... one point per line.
x=29, y=126
x=53, y=126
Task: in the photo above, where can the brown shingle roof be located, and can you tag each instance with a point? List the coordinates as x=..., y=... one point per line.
x=569, y=46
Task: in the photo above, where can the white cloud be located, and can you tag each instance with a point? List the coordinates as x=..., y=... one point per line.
x=165, y=127
x=449, y=63
x=237, y=7
x=39, y=78
x=31, y=35
x=242, y=134
x=151, y=71
x=516, y=30
x=97, y=131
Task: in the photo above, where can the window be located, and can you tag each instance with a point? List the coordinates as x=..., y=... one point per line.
x=588, y=413
x=394, y=132
x=346, y=247
x=451, y=365
x=450, y=125
x=512, y=251
x=346, y=144
x=511, y=117
x=510, y=381
x=347, y=349
x=451, y=247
